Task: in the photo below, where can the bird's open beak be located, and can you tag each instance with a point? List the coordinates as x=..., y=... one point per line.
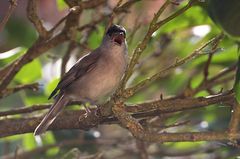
x=118, y=38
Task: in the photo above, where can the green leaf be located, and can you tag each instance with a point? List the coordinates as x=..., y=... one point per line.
x=51, y=86
x=19, y=33
x=61, y=5
x=34, y=99
x=226, y=15
x=96, y=37
x=29, y=142
x=49, y=139
x=11, y=138
x=186, y=145
x=30, y=72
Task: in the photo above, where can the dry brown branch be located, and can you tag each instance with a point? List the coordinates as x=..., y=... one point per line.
x=25, y=110
x=12, y=6
x=38, y=48
x=113, y=15
x=198, y=52
x=210, y=55
x=70, y=119
x=220, y=78
x=130, y=123
x=9, y=91
x=142, y=45
x=154, y=26
x=125, y=6
x=33, y=17
x=152, y=107
x=136, y=27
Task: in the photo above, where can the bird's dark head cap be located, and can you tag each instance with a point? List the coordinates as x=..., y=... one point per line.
x=116, y=29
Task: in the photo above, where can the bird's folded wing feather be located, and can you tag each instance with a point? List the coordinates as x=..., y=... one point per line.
x=83, y=66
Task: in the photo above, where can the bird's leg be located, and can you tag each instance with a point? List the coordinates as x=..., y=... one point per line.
x=95, y=104
x=88, y=111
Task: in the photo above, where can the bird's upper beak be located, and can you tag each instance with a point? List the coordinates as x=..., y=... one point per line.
x=118, y=38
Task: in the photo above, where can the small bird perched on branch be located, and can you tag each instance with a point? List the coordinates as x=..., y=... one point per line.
x=93, y=77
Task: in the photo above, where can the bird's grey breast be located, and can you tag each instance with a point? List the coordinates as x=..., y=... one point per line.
x=103, y=79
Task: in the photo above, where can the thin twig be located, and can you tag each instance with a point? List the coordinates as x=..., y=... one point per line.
x=130, y=91
x=58, y=24
x=110, y=22
x=142, y=45
x=154, y=25
x=33, y=17
x=38, y=48
x=138, y=131
x=137, y=25
x=70, y=119
x=220, y=78
x=9, y=91
x=12, y=6
x=125, y=6
x=207, y=65
x=23, y=110
x=158, y=106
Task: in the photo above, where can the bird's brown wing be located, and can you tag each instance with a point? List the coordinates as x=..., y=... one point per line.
x=83, y=65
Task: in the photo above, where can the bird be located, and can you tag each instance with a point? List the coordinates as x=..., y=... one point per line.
x=92, y=78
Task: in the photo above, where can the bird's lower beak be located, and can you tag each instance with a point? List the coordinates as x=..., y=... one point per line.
x=118, y=38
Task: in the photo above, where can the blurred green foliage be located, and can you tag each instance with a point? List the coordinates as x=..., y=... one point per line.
x=31, y=72
x=61, y=4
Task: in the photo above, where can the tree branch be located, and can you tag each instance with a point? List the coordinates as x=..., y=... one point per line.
x=198, y=52
x=127, y=121
x=37, y=49
x=12, y=6
x=154, y=26
x=9, y=91
x=70, y=119
x=33, y=17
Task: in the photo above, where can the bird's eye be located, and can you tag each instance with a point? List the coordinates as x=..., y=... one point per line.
x=124, y=34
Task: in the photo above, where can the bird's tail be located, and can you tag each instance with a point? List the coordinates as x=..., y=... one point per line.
x=54, y=111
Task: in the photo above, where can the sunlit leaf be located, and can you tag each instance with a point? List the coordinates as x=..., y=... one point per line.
x=61, y=5
x=28, y=142
x=49, y=139
x=96, y=37
x=51, y=86
x=31, y=72
x=34, y=99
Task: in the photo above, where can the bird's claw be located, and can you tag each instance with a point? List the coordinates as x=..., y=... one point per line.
x=88, y=113
x=85, y=115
